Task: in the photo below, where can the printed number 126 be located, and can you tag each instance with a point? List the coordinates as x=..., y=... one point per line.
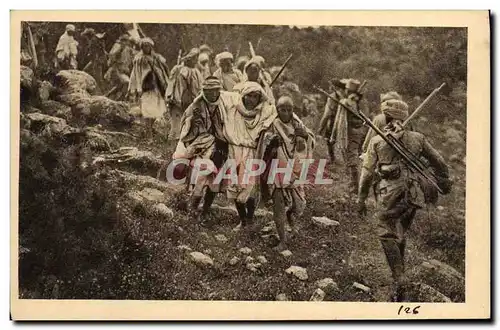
x=408, y=310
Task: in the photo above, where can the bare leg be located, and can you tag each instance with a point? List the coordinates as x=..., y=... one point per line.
x=279, y=217
x=207, y=203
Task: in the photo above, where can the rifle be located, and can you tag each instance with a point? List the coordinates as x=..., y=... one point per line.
x=421, y=106
x=281, y=70
x=258, y=43
x=414, y=163
x=238, y=52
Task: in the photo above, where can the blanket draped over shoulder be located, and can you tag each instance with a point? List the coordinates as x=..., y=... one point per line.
x=145, y=64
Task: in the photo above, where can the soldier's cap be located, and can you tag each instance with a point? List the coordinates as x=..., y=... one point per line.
x=203, y=57
x=353, y=85
x=338, y=83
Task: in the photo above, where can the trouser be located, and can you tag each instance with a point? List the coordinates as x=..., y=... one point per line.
x=393, y=223
x=174, y=117
x=355, y=140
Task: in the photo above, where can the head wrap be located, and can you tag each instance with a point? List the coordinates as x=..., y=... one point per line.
x=251, y=62
x=284, y=100
x=70, y=27
x=225, y=56
x=260, y=60
x=211, y=83
x=205, y=49
x=147, y=41
x=203, y=57
x=395, y=109
x=124, y=37
x=192, y=53
x=390, y=96
x=89, y=31
x=252, y=86
x=241, y=60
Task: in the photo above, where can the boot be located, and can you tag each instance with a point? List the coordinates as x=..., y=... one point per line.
x=207, y=203
x=242, y=213
x=279, y=217
x=393, y=256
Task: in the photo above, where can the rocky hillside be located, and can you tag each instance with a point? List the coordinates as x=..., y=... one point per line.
x=98, y=221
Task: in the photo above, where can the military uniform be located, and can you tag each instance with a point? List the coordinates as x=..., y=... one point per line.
x=398, y=191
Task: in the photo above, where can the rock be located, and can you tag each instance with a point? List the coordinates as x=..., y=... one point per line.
x=245, y=250
x=47, y=126
x=464, y=160
x=361, y=287
x=318, y=295
x=298, y=272
x=163, y=210
x=74, y=81
x=152, y=195
x=204, y=235
x=108, y=112
x=286, y=253
x=57, y=109
x=443, y=269
x=201, y=259
x=130, y=158
x=421, y=292
x=262, y=259
x=253, y=267
x=249, y=259
x=453, y=135
x=221, y=238
x=207, y=251
x=234, y=261
x=135, y=111
x=27, y=77
x=324, y=245
x=282, y=297
x=184, y=248
x=263, y=213
x=327, y=284
x=45, y=89
x=458, y=123
x=440, y=208
x=266, y=229
x=353, y=236
x=324, y=222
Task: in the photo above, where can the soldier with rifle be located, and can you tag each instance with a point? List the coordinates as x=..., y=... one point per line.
x=395, y=156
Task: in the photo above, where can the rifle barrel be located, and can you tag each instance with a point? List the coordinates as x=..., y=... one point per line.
x=421, y=106
x=281, y=70
x=403, y=152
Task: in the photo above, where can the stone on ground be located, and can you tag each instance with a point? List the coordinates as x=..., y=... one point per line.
x=286, y=253
x=361, y=287
x=245, y=250
x=262, y=259
x=298, y=272
x=282, y=297
x=249, y=259
x=183, y=247
x=421, y=292
x=318, y=295
x=163, y=210
x=221, y=238
x=201, y=259
x=324, y=222
x=327, y=284
x=234, y=261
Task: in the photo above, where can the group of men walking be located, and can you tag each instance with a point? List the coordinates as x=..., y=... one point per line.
x=231, y=111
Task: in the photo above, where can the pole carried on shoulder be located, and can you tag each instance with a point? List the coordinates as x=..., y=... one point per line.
x=413, y=162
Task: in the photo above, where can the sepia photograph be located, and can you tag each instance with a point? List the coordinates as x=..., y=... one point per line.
x=216, y=161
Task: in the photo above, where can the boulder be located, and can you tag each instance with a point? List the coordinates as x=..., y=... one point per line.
x=421, y=292
x=163, y=210
x=249, y=259
x=324, y=222
x=56, y=109
x=131, y=158
x=443, y=277
x=298, y=272
x=201, y=259
x=152, y=195
x=45, y=89
x=286, y=253
x=72, y=81
x=318, y=295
